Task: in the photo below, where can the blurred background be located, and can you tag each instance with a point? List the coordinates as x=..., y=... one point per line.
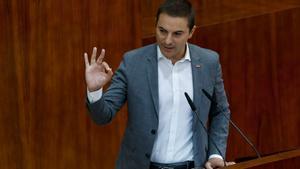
x=43, y=119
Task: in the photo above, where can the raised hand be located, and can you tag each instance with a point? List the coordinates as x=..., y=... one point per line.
x=97, y=72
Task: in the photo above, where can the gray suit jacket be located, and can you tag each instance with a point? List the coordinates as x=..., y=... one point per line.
x=136, y=81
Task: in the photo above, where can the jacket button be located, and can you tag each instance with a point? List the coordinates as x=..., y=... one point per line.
x=153, y=131
x=147, y=155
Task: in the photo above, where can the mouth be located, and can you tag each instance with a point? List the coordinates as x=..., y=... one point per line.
x=168, y=48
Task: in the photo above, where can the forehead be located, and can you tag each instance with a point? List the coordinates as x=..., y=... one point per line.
x=172, y=23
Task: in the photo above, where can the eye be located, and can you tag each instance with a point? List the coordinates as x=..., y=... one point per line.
x=162, y=30
x=178, y=33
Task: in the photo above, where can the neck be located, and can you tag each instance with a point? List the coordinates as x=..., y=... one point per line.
x=174, y=59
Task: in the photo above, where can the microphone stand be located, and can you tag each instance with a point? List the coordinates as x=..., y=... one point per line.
x=193, y=107
x=232, y=123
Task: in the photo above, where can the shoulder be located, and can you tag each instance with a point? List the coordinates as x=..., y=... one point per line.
x=204, y=54
x=137, y=59
x=140, y=52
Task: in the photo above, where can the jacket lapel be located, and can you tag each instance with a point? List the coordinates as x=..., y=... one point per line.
x=152, y=75
x=197, y=73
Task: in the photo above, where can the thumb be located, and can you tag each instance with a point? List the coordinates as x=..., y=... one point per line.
x=107, y=68
x=109, y=72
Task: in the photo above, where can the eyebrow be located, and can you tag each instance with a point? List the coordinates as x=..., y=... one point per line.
x=179, y=31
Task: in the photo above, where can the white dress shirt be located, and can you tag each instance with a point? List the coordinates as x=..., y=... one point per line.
x=174, y=135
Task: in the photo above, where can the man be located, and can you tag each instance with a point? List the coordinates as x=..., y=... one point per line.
x=162, y=131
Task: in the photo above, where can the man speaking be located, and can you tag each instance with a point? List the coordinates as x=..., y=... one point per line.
x=162, y=131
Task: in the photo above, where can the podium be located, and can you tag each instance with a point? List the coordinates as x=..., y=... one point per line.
x=284, y=160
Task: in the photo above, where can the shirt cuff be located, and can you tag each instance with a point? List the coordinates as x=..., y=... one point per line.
x=215, y=156
x=94, y=96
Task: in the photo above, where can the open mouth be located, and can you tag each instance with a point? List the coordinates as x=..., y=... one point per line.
x=168, y=49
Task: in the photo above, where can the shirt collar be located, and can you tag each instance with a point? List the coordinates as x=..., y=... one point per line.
x=187, y=55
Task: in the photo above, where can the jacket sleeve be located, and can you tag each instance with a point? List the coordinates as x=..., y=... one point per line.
x=103, y=110
x=218, y=128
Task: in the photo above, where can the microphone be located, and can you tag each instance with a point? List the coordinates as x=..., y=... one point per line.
x=232, y=123
x=193, y=107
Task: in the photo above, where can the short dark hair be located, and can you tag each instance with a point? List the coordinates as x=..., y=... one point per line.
x=178, y=8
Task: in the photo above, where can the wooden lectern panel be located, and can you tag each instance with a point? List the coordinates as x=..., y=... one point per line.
x=285, y=160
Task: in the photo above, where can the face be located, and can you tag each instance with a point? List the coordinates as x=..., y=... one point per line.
x=172, y=33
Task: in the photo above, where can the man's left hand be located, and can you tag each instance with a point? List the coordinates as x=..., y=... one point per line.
x=213, y=163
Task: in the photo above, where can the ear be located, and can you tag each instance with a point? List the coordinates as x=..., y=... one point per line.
x=192, y=31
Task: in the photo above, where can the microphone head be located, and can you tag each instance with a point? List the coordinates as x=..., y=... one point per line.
x=207, y=95
x=193, y=107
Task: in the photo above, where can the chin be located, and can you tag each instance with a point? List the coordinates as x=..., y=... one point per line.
x=167, y=55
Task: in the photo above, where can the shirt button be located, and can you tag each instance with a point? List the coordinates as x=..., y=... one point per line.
x=147, y=155
x=153, y=131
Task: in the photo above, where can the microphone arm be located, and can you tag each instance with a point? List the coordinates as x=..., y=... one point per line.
x=193, y=107
x=232, y=123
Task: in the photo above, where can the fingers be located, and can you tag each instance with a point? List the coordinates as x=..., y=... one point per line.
x=93, y=58
x=94, y=53
x=86, y=60
x=230, y=163
x=101, y=57
x=208, y=165
x=107, y=68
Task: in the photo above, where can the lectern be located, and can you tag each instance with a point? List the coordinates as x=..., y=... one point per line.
x=284, y=160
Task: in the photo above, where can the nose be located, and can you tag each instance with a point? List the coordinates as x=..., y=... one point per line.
x=168, y=39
